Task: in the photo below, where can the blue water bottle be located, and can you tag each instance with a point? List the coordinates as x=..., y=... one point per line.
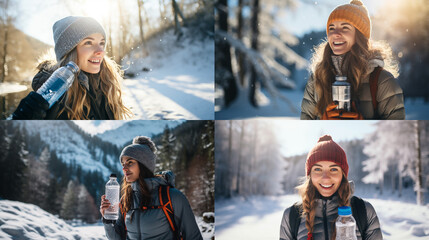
x=59, y=82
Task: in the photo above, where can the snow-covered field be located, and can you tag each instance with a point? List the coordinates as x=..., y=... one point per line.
x=27, y=221
x=259, y=218
x=177, y=81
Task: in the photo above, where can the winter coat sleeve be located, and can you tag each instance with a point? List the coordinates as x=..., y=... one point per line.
x=184, y=217
x=308, y=104
x=116, y=231
x=373, y=231
x=390, y=98
x=285, y=231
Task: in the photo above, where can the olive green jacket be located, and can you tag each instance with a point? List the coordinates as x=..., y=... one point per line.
x=390, y=99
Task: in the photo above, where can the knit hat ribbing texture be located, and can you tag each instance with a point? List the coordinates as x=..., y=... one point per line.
x=354, y=13
x=69, y=31
x=327, y=150
x=143, y=150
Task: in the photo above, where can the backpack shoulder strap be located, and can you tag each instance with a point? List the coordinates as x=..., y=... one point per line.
x=373, y=85
x=295, y=219
x=359, y=214
x=167, y=207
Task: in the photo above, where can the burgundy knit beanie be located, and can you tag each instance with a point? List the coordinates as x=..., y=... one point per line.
x=327, y=150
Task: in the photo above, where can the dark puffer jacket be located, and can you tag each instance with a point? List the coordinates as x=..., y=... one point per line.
x=100, y=110
x=152, y=224
x=331, y=205
x=389, y=97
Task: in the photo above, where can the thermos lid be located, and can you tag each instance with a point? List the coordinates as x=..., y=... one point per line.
x=113, y=175
x=341, y=78
x=73, y=66
x=344, y=211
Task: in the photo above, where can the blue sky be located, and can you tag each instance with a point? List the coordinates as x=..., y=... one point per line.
x=297, y=136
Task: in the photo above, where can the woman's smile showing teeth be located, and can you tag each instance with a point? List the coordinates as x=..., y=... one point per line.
x=327, y=186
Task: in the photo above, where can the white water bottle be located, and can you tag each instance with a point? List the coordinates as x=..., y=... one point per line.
x=58, y=83
x=345, y=224
x=112, y=194
x=341, y=93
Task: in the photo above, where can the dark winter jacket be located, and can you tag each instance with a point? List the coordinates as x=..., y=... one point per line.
x=331, y=205
x=152, y=224
x=100, y=109
x=389, y=97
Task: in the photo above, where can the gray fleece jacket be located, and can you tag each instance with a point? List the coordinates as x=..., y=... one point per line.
x=152, y=224
x=330, y=208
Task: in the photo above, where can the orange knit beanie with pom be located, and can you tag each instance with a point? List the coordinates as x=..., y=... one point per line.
x=354, y=13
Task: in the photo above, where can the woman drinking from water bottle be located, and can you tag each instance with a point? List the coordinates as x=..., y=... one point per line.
x=368, y=66
x=324, y=190
x=143, y=210
x=95, y=92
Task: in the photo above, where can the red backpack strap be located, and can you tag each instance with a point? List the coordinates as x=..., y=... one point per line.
x=167, y=207
x=373, y=85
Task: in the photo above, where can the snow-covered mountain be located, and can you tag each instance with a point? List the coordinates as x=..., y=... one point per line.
x=125, y=133
x=27, y=221
x=72, y=145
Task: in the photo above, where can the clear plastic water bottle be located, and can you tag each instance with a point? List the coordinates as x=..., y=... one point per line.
x=341, y=93
x=112, y=194
x=345, y=224
x=59, y=82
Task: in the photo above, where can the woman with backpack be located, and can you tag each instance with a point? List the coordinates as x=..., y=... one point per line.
x=368, y=66
x=141, y=215
x=324, y=190
x=95, y=93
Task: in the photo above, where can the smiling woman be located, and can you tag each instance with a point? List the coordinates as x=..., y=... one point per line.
x=324, y=189
x=95, y=93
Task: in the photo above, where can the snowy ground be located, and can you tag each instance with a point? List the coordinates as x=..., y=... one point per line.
x=415, y=109
x=260, y=217
x=27, y=221
x=177, y=81
x=6, y=88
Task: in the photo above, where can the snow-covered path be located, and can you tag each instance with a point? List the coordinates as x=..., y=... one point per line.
x=260, y=217
x=176, y=80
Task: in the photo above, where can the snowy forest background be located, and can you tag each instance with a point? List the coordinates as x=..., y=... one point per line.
x=261, y=66
x=256, y=177
x=63, y=169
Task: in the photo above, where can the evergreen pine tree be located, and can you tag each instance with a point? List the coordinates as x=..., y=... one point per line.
x=70, y=201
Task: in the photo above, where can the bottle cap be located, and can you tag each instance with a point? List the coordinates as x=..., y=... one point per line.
x=73, y=66
x=341, y=78
x=113, y=175
x=344, y=211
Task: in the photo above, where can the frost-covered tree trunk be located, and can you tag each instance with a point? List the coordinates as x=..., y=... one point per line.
x=419, y=184
x=240, y=56
x=6, y=23
x=239, y=187
x=223, y=70
x=177, y=12
x=254, y=85
x=142, y=39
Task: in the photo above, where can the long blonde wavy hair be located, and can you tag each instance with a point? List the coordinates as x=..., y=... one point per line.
x=356, y=60
x=309, y=193
x=77, y=102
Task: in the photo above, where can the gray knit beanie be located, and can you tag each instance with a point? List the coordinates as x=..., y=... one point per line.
x=69, y=31
x=143, y=150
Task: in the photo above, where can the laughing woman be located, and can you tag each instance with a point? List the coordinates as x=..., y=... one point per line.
x=325, y=189
x=95, y=93
x=139, y=217
x=349, y=52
